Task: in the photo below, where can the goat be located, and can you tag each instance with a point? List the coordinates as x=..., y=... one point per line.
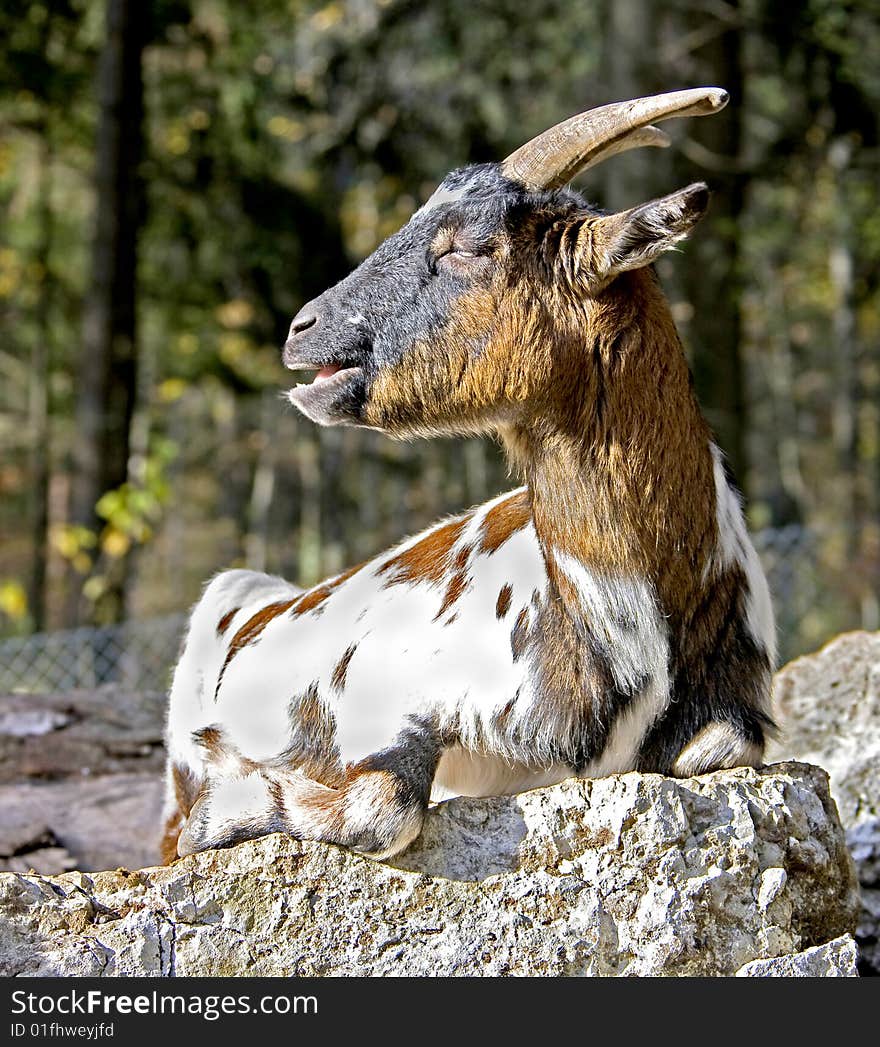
x=608, y=615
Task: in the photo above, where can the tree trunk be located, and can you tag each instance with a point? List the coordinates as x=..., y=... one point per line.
x=648, y=50
x=38, y=402
x=106, y=367
x=629, y=70
x=256, y=541
x=844, y=358
x=712, y=279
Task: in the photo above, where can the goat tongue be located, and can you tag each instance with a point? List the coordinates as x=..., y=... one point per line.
x=327, y=372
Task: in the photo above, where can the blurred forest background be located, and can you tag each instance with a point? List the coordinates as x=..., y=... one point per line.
x=178, y=176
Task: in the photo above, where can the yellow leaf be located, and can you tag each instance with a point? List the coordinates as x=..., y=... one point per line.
x=237, y=313
x=70, y=539
x=171, y=389
x=187, y=343
x=116, y=544
x=13, y=600
x=327, y=17
x=199, y=119
x=82, y=563
x=95, y=587
x=285, y=127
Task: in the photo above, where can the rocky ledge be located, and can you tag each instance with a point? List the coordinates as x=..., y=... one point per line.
x=743, y=871
x=829, y=706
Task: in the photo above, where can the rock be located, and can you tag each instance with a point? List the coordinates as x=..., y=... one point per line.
x=99, y=823
x=105, y=731
x=45, y=860
x=30, y=845
x=829, y=707
x=627, y=875
x=80, y=779
x=837, y=959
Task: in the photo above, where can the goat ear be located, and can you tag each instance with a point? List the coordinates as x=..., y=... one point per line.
x=635, y=238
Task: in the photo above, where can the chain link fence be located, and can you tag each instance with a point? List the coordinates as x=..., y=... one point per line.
x=136, y=655
x=813, y=602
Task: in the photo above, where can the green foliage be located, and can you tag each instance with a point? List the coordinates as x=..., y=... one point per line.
x=132, y=513
x=133, y=510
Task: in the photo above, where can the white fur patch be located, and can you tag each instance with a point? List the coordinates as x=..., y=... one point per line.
x=465, y=773
x=735, y=549
x=407, y=663
x=716, y=746
x=623, y=614
x=442, y=196
x=231, y=803
x=191, y=700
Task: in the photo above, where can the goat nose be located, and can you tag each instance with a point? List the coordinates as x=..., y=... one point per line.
x=307, y=317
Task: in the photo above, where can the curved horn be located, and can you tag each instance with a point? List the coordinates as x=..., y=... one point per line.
x=557, y=155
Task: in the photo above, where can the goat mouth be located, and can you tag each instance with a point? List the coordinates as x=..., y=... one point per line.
x=332, y=395
x=330, y=374
x=331, y=371
x=325, y=370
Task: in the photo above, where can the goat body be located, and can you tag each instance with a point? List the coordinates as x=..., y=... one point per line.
x=609, y=615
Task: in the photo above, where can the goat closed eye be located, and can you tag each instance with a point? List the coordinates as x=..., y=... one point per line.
x=456, y=260
x=455, y=253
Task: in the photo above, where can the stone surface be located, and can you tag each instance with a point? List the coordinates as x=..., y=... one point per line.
x=105, y=731
x=628, y=875
x=80, y=779
x=836, y=959
x=98, y=823
x=829, y=707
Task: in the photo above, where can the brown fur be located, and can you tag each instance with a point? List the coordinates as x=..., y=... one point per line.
x=211, y=740
x=428, y=559
x=250, y=632
x=313, y=598
x=502, y=605
x=219, y=749
x=457, y=585
x=252, y=628
x=520, y=634
x=504, y=520
x=186, y=792
x=462, y=558
x=276, y=794
x=223, y=624
x=186, y=787
x=456, y=381
x=335, y=813
x=500, y=721
x=337, y=680
x=622, y=477
x=313, y=750
x=170, y=835
x=707, y=623
x=577, y=686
